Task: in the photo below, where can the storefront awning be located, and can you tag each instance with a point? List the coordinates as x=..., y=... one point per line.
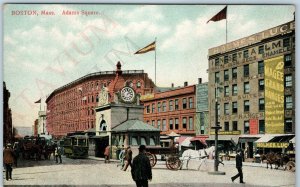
x=199, y=138
x=249, y=137
x=274, y=141
x=293, y=140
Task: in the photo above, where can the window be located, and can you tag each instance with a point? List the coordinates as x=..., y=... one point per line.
x=246, y=87
x=226, y=126
x=184, y=103
x=226, y=108
x=153, y=123
x=261, y=104
x=191, y=102
x=234, y=125
x=152, y=141
x=143, y=141
x=148, y=109
x=226, y=92
x=261, y=85
x=158, y=124
x=176, y=104
x=171, y=123
x=134, y=141
x=138, y=84
x=226, y=75
x=288, y=60
x=217, y=62
x=246, y=70
x=158, y=107
x=184, y=123
x=246, y=54
x=217, y=77
x=234, y=107
x=246, y=106
x=218, y=109
x=246, y=127
x=164, y=125
x=164, y=106
x=171, y=105
x=288, y=81
x=261, y=68
x=286, y=42
x=234, y=73
x=191, y=123
x=288, y=126
x=261, y=127
x=288, y=102
x=153, y=107
x=225, y=59
x=176, y=123
x=234, y=89
x=234, y=57
x=261, y=49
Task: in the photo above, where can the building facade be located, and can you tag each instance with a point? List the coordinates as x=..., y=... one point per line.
x=172, y=110
x=71, y=107
x=252, y=83
x=202, y=115
x=42, y=123
x=7, y=117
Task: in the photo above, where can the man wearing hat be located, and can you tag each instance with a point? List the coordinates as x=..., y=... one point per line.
x=8, y=159
x=141, y=168
x=239, y=165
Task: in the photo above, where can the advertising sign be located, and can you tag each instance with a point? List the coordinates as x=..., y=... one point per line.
x=253, y=126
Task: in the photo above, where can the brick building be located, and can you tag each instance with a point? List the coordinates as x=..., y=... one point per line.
x=172, y=110
x=71, y=107
x=257, y=77
x=7, y=119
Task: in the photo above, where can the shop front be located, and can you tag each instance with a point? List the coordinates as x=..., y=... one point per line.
x=273, y=143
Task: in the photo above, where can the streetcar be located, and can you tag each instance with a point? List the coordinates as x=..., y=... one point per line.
x=76, y=146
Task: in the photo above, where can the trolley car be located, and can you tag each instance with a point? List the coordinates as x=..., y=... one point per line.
x=76, y=146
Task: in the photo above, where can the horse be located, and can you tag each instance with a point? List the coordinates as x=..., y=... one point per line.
x=201, y=154
x=271, y=158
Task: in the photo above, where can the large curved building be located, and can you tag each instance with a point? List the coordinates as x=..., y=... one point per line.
x=70, y=108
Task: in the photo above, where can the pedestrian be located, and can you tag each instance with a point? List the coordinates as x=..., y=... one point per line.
x=239, y=165
x=128, y=158
x=141, y=168
x=107, y=154
x=8, y=159
x=16, y=150
x=58, y=153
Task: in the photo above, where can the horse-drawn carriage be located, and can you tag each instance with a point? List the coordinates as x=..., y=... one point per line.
x=291, y=164
x=170, y=154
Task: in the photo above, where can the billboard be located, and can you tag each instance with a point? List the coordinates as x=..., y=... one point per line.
x=274, y=95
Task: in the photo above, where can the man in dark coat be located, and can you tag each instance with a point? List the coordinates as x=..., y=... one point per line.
x=141, y=168
x=128, y=158
x=239, y=165
x=8, y=159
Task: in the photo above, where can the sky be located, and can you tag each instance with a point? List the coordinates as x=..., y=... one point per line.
x=44, y=52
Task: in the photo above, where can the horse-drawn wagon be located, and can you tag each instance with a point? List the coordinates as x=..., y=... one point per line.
x=170, y=154
x=291, y=164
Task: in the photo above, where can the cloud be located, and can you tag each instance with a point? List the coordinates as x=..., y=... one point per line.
x=141, y=13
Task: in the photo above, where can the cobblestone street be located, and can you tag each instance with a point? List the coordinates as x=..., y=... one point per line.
x=93, y=171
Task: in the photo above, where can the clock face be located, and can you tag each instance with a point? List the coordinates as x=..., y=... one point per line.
x=127, y=94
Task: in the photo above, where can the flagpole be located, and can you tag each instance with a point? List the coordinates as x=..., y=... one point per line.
x=155, y=62
x=226, y=25
x=41, y=105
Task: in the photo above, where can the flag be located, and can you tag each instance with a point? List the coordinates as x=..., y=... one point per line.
x=219, y=16
x=38, y=101
x=150, y=47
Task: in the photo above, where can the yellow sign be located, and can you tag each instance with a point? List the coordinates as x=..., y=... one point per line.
x=274, y=95
x=212, y=132
x=272, y=145
x=147, y=96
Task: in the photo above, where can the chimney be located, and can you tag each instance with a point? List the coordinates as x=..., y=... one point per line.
x=185, y=83
x=172, y=85
x=199, y=80
x=119, y=71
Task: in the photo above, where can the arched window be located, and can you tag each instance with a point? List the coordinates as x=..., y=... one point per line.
x=138, y=84
x=103, y=125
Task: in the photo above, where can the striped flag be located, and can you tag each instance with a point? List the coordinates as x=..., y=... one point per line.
x=150, y=47
x=219, y=16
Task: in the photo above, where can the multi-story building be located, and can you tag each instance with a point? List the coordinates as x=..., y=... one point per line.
x=71, y=107
x=7, y=120
x=257, y=77
x=172, y=110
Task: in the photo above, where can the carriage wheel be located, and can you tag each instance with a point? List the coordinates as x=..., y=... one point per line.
x=173, y=163
x=291, y=166
x=152, y=159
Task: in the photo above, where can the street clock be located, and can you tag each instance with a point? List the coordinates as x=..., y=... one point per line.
x=127, y=94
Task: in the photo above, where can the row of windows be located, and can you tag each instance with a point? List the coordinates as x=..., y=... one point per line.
x=246, y=71
x=261, y=50
x=173, y=124
x=261, y=105
x=261, y=126
x=172, y=105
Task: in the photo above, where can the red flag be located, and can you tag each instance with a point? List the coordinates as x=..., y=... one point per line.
x=219, y=16
x=38, y=101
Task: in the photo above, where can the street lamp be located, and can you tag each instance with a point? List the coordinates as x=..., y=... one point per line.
x=217, y=127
